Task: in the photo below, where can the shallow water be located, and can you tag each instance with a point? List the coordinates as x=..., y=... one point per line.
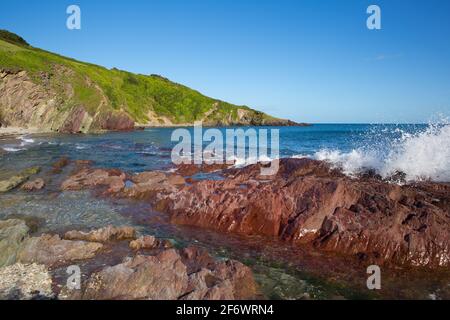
x=284, y=272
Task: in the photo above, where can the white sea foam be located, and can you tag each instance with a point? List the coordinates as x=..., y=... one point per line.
x=12, y=149
x=424, y=155
x=26, y=140
x=352, y=162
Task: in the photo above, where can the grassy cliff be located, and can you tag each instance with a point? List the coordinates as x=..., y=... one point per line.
x=70, y=95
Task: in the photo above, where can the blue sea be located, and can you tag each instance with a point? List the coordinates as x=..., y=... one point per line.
x=420, y=151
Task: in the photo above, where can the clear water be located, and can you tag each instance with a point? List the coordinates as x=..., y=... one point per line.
x=421, y=151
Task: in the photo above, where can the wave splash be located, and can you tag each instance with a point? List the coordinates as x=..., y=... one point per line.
x=420, y=156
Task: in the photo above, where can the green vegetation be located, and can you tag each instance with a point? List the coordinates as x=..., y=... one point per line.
x=12, y=38
x=143, y=97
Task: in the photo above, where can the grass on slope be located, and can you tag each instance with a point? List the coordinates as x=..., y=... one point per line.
x=136, y=94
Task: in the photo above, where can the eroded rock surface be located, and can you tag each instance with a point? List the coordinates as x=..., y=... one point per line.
x=51, y=250
x=166, y=276
x=107, y=234
x=161, y=273
x=16, y=180
x=307, y=202
x=149, y=242
x=12, y=234
x=34, y=185
x=112, y=180
x=25, y=282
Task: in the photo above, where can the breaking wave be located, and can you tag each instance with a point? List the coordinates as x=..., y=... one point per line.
x=422, y=155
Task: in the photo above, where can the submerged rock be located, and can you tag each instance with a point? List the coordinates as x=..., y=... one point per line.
x=109, y=233
x=112, y=180
x=34, y=185
x=25, y=282
x=60, y=164
x=16, y=180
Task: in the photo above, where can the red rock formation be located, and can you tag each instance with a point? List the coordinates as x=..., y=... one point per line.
x=305, y=203
x=309, y=203
x=115, y=121
x=73, y=123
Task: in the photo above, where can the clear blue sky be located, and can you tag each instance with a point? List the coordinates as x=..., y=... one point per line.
x=307, y=60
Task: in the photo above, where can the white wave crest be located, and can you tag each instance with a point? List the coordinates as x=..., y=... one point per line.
x=420, y=156
x=12, y=149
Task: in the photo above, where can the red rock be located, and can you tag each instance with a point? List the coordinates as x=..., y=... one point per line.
x=73, y=123
x=60, y=164
x=149, y=242
x=103, y=235
x=192, y=169
x=83, y=163
x=34, y=185
x=166, y=277
x=114, y=121
x=52, y=250
x=113, y=180
x=307, y=202
x=149, y=184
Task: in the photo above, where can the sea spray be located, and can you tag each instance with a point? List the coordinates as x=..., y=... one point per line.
x=423, y=155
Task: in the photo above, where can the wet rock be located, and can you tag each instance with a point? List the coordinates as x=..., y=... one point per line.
x=12, y=234
x=149, y=242
x=83, y=163
x=112, y=180
x=103, y=235
x=307, y=202
x=161, y=277
x=25, y=282
x=52, y=250
x=212, y=280
x=149, y=184
x=34, y=185
x=60, y=164
x=193, y=169
x=165, y=276
x=16, y=180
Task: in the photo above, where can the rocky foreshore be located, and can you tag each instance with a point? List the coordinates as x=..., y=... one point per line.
x=150, y=268
x=306, y=203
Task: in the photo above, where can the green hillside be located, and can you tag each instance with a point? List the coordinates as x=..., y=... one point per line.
x=146, y=99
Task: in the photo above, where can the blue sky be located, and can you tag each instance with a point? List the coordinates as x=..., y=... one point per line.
x=307, y=60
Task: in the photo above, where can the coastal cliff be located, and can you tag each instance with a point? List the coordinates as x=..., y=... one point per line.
x=48, y=92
